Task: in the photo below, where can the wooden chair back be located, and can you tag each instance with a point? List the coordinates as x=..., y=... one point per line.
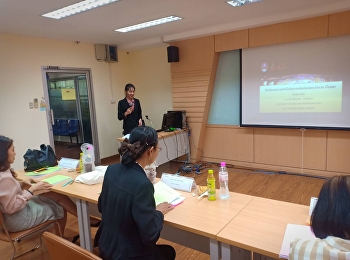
x=60, y=248
x=15, y=237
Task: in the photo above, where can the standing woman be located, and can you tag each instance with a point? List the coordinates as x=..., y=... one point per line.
x=131, y=223
x=129, y=110
x=25, y=205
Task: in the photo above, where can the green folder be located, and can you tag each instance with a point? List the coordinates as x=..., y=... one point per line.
x=47, y=171
x=56, y=179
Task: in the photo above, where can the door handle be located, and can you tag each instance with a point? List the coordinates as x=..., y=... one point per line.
x=52, y=118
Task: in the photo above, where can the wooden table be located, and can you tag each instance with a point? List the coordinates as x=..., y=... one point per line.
x=83, y=194
x=260, y=227
x=196, y=222
x=174, y=144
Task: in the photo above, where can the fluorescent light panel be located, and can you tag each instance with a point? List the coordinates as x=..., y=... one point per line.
x=149, y=24
x=77, y=8
x=236, y=3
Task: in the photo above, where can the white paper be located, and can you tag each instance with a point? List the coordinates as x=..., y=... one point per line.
x=313, y=202
x=68, y=163
x=126, y=136
x=164, y=193
x=293, y=232
x=178, y=182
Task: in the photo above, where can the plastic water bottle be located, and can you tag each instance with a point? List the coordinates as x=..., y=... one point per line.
x=224, y=192
x=211, y=185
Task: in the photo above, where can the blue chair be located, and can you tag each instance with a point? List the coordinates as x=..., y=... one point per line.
x=55, y=127
x=62, y=127
x=73, y=129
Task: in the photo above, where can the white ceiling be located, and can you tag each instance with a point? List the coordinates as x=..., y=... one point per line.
x=200, y=18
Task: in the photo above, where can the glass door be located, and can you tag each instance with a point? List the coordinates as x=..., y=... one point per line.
x=71, y=117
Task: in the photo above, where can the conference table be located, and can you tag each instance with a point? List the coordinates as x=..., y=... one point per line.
x=194, y=223
x=222, y=228
x=260, y=228
x=83, y=194
x=173, y=145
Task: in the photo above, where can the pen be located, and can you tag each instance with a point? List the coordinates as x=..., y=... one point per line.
x=41, y=169
x=174, y=205
x=67, y=183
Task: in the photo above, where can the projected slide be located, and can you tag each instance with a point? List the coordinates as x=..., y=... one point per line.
x=301, y=84
x=304, y=98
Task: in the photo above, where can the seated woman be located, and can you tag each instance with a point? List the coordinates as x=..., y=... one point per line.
x=330, y=222
x=25, y=205
x=131, y=223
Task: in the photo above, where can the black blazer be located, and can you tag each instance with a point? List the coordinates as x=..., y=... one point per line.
x=130, y=225
x=130, y=121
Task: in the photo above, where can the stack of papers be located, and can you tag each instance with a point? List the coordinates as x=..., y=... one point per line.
x=294, y=232
x=164, y=193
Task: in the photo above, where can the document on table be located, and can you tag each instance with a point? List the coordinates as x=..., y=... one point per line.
x=293, y=232
x=164, y=193
x=43, y=172
x=56, y=179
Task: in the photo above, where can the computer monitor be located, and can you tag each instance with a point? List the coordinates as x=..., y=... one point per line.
x=168, y=121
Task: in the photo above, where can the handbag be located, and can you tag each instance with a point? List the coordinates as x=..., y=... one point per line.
x=36, y=159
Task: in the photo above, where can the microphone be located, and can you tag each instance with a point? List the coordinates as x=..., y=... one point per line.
x=149, y=120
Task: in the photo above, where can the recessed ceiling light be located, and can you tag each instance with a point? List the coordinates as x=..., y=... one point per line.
x=149, y=24
x=77, y=8
x=236, y=3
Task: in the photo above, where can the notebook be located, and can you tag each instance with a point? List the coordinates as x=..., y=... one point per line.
x=293, y=232
x=164, y=193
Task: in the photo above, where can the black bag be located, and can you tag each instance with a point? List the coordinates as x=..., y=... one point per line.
x=36, y=159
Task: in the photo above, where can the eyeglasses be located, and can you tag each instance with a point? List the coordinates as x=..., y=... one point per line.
x=159, y=148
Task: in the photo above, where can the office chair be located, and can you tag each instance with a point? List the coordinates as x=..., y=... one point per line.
x=16, y=237
x=73, y=129
x=62, y=127
x=60, y=248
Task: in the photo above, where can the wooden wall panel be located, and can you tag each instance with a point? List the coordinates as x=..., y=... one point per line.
x=339, y=24
x=288, y=147
x=325, y=153
x=306, y=29
x=338, y=151
x=315, y=149
x=228, y=143
x=192, y=85
x=194, y=55
x=277, y=146
x=231, y=41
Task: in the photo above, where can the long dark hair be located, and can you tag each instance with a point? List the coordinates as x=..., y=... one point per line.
x=331, y=216
x=141, y=139
x=5, y=144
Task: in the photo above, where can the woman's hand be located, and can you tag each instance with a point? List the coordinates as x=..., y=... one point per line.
x=140, y=122
x=40, y=187
x=128, y=111
x=164, y=207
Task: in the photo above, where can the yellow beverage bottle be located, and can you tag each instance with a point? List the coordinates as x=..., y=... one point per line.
x=211, y=185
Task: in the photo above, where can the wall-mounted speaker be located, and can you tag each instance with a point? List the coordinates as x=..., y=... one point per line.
x=173, y=53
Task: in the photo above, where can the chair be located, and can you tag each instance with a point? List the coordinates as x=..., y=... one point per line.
x=15, y=237
x=60, y=248
x=55, y=127
x=73, y=129
x=62, y=127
